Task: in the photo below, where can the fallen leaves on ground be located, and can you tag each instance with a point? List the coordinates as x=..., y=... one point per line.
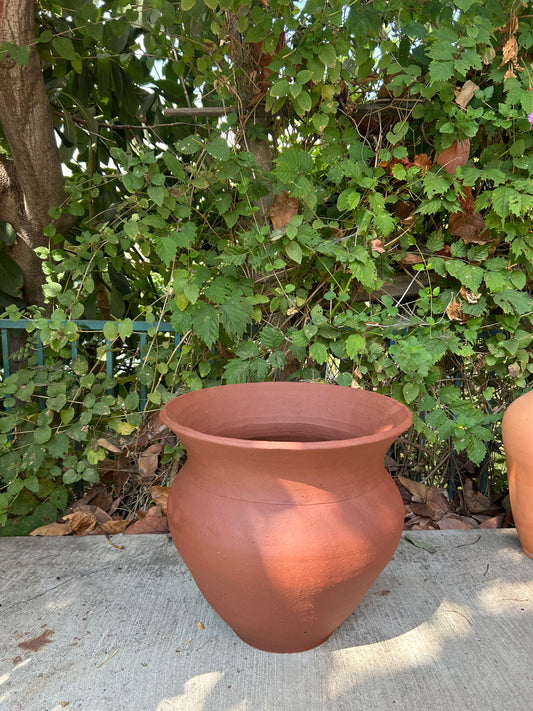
x=133, y=491
x=429, y=508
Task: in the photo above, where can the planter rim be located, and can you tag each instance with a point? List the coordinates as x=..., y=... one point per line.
x=403, y=420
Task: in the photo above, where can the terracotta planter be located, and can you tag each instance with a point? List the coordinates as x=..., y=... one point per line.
x=284, y=513
x=517, y=431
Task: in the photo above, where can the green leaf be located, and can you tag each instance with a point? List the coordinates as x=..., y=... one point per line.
x=327, y=54
x=236, y=371
x=349, y=199
x=42, y=435
x=125, y=328
x=187, y=5
x=294, y=252
x=7, y=423
x=513, y=301
x=165, y=248
x=20, y=54
x=441, y=71
x=271, y=337
x=31, y=483
x=280, y=88
x=205, y=325
x=235, y=315
x=64, y=47
x=355, y=345
x=156, y=193
x=110, y=330
x=219, y=149
x=410, y=391
x=189, y=145
x=319, y=353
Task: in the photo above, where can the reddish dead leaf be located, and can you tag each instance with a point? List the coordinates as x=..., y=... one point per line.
x=453, y=521
x=81, y=522
x=454, y=156
x=283, y=209
x=99, y=496
x=404, y=209
x=412, y=258
x=160, y=496
x=153, y=522
x=106, y=444
x=52, y=529
x=100, y=515
x=423, y=524
x=148, y=462
x=438, y=502
x=454, y=311
x=423, y=161
x=465, y=94
x=445, y=252
x=377, y=246
x=37, y=643
x=494, y=522
x=416, y=488
x=115, y=526
x=421, y=509
x=469, y=226
x=474, y=501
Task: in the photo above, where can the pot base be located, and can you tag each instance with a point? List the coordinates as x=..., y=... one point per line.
x=284, y=648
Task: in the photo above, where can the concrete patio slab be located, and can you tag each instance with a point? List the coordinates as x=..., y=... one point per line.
x=86, y=626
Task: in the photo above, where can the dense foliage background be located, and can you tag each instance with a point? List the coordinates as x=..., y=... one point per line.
x=358, y=209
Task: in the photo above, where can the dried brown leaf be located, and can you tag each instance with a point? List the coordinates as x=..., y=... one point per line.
x=470, y=296
x=283, y=209
x=474, y=501
x=421, y=509
x=160, y=496
x=437, y=500
x=454, y=156
x=423, y=161
x=148, y=462
x=52, y=529
x=453, y=521
x=469, y=226
x=494, y=522
x=412, y=258
x=100, y=515
x=115, y=526
x=81, y=522
x=416, y=488
x=106, y=444
x=454, y=312
x=466, y=93
x=153, y=522
x=510, y=51
x=377, y=246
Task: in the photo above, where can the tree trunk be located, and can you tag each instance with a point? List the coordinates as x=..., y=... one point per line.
x=31, y=182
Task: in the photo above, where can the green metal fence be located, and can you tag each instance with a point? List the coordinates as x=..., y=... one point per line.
x=142, y=328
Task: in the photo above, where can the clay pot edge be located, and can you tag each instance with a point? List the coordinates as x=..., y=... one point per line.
x=187, y=432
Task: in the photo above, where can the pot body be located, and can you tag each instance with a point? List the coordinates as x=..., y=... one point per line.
x=517, y=433
x=284, y=512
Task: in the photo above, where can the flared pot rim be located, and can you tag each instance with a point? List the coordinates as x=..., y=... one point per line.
x=397, y=416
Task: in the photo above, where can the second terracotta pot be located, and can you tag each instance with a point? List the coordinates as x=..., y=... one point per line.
x=517, y=433
x=284, y=512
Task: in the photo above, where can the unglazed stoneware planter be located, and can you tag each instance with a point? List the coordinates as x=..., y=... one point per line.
x=284, y=512
x=517, y=432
